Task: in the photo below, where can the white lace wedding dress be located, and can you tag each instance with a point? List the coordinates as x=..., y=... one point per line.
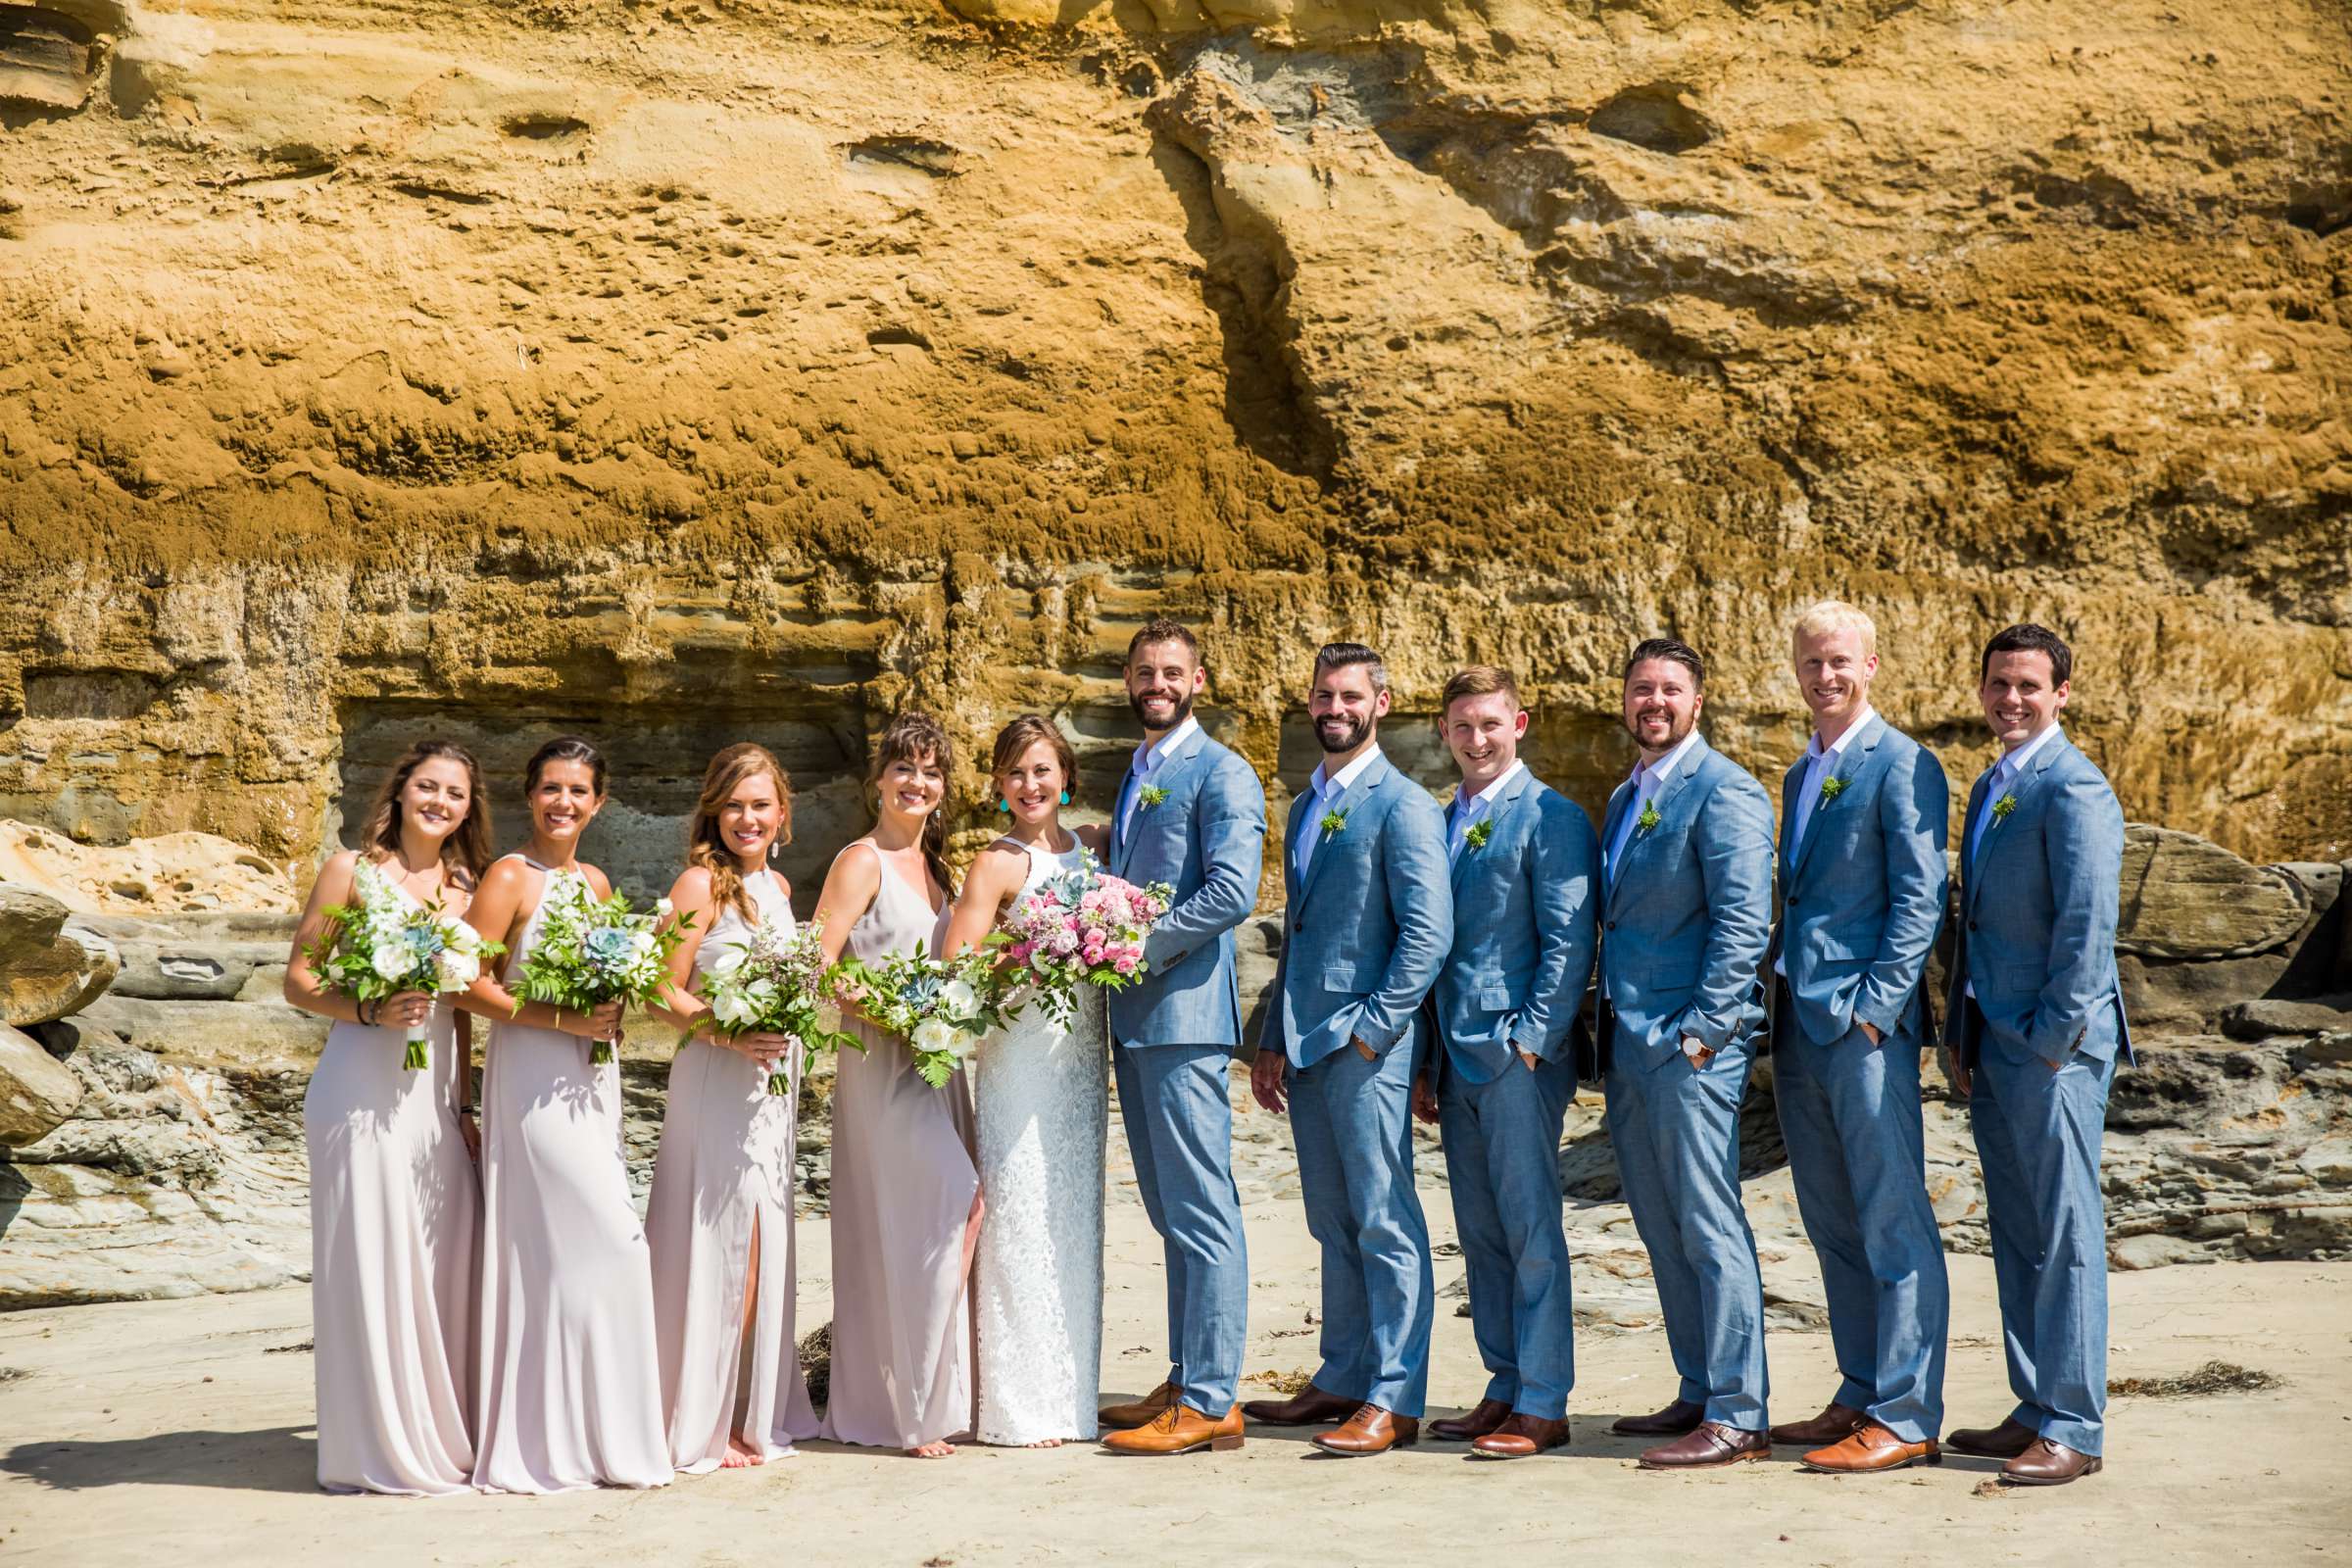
x=1041, y=1101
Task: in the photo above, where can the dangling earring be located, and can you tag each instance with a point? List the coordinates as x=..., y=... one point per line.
x=1065, y=797
x=772, y=848
x=1004, y=806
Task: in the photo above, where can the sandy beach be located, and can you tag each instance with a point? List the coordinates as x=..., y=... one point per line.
x=181, y=1431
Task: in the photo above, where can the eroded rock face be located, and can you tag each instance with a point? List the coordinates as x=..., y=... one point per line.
x=754, y=371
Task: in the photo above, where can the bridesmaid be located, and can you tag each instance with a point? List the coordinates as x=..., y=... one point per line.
x=720, y=1217
x=394, y=1208
x=569, y=1395
x=906, y=1193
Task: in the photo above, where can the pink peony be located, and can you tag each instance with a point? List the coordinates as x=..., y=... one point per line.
x=1125, y=963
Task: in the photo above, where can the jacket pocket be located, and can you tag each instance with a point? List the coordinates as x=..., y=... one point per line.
x=1351, y=979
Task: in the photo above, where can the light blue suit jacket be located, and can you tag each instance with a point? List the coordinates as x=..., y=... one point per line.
x=1206, y=840
x=1524, y=931
x=1365, y=934
x=2038, y=915
x=1688, y=914
x=1862, y=896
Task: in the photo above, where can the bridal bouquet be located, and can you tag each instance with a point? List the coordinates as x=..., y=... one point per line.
x=1079, y=927
x=777, y=983
x=592, y=951
x=941, y=1005
x=383, y=944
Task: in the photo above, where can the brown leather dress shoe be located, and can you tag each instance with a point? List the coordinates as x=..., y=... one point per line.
x=1711, y=1445
x=1312, y=1407
x=1371, y=1430
x=1488, y=1416
x=2004, y=1442
x=1140, y=1412
x=1522, y=1437
x=1868, y=1449
x=1180, y=1428
x=1675, y=1419
x=2049, y=1464
x=1833, y=1423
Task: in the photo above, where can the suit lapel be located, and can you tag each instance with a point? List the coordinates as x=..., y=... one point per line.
x=1969, y=879
x=1350, y=799
x=1847, y=767
x=1504, y=801
x=1123, y=844
x=1292, y=892
x=1662, y=801
x=1171, y=767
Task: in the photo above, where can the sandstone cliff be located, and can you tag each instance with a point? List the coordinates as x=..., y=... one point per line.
x=692, y=369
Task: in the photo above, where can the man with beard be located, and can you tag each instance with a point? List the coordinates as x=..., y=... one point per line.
x=1189, y=814
x=1686, y=917
x=1368, y=924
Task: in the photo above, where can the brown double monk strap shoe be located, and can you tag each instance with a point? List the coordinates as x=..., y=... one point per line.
x=1836, y=1422
x=1711, y=1445
x=1312, y=1407
x=1371, y=1430
x=1484, y=1418
x=1522, y=1437
x=1180, y=1428
x=2049, y=1464
x=2004, y=1442
x=1680, y=1417
x=1140, y=1412
x=1867, y=1449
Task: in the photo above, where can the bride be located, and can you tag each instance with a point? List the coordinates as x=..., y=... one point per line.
x=1042, y=1104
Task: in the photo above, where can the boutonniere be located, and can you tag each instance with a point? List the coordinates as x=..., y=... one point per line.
x=1334, y=824
x=1480, y=831
x=1150, y=795
x=1648, y=818
x=1830, y=788
x=2004, y=807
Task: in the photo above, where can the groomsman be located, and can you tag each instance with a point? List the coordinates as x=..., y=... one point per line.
x=1685, y=922
x=2036, y=1019
x=1369, y=923
x=1525, y=865
x=1862, y=877
x=1189, y=814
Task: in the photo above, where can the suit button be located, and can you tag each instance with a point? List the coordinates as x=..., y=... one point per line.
x=1612, y=925
x=1972, y=925
x=1793, y=902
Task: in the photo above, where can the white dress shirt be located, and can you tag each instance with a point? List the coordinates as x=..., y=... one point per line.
x=2004, y=774
x=1819, y=764
x=1466, y=812
x=1648, y=779
x=1325, y=791
x=1147, y=762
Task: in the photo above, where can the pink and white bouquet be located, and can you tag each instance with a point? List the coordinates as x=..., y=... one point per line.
x=1081, y=927
x=778, y=982
x=384, y=943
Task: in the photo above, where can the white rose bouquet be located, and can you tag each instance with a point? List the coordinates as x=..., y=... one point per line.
x=941, y=1005
x=384, y=943
x=777, y=983
x=592, y=951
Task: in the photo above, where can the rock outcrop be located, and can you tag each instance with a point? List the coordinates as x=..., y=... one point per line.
x=691, y=372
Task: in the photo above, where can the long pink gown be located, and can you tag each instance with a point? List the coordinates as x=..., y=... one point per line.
x=570, y=1394
x=724, y=1175
x=394, y=1215
x=902, y=1186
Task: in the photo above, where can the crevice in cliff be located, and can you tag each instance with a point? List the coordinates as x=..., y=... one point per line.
x=1242, y=281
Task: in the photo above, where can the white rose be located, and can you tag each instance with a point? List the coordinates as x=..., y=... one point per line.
x=958, y=1000
x=663, y=908
x=962, y=1044
x=641, y=943
x=459, y=969
x=392, y=960
x=458, y=937
x=733, y=1009
x=935, y=1035
x=730, y=958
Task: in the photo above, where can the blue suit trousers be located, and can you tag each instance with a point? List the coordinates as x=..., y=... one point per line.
x=1503, y=1161
x=1179, y=1121
x=1849, y=1113
x=1676, y=1130
x=1352, y=1120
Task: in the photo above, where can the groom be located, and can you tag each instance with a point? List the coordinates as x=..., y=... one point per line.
x=1367, y=924
x=1189, y=814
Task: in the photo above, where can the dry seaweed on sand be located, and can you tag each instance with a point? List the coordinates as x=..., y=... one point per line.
x=2214, y=1377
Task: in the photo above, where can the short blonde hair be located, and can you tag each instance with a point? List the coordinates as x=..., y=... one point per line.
x=1479, y=680
x=1835, y=614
